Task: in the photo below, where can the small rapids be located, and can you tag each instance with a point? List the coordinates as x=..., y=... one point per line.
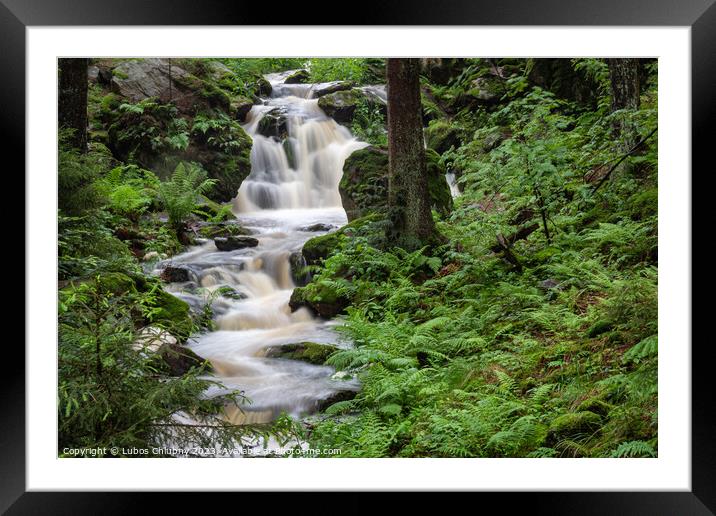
x=293, y=185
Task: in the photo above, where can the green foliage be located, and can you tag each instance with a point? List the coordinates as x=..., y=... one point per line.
x=129, y=189
x=459, y=352
x=113, y=393
x=369, y=124
x=179, y=194
x=339, y=69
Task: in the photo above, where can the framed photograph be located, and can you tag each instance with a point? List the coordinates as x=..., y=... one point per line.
x=445, y=249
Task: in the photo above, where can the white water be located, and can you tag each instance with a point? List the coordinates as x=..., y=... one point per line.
x=275, y=202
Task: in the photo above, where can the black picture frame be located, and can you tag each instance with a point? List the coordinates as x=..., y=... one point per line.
x=700, y=15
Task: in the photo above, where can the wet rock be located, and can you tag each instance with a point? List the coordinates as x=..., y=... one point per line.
x=345, y=395
x=230, y=293
x=310, y=352
x=174, y=274
x=222, y=229
x=319, y=226
x=340, y=105
x=298, y=77
x=240, y=107
x=321, y=299
x=300, y=274
x=326, y=88
x=274, y=124
x=152, y=338
x=231, y=243
x=179, y=360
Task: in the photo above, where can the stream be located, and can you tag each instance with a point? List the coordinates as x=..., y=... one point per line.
x=285, y=194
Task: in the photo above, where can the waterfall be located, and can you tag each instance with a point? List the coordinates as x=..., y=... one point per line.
x=293, y=184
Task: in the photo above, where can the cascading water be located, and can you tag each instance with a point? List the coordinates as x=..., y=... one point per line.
x=293, y=184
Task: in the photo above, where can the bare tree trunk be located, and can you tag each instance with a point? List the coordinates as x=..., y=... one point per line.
x=411, y=220
x=625, y=90
x=72, y=100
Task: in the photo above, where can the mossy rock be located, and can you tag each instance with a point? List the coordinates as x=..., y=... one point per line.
x=240, y=107
x=320, y=298
x=172, y=314
x=263, y=86
x=116, y=283
x=574, y=423
x=298, y=77
x=222, y=229
x=310, y=352
x=331, y=87
x=599, y=328
x=596, y=405
x=321, y=247
x=440, y=136
x=177, y=360
x=364, y=184
x=341, y=105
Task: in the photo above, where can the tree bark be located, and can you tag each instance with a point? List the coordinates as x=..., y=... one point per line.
x=624, y=78
x=625, y=91
x=411, y=220
x=72, y=100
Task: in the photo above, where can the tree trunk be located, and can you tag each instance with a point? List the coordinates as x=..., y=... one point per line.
x=625, y=90
x=72, y=101
x=411, y=220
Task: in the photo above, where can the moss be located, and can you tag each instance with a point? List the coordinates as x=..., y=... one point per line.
x=321, y=247
x=340, y=105
x=584, y=422
x=298, y=77
x=440, y=136
x=596, y=405
x=364, y=184
x=599, y=328
x=172, y=314
x=310, y=352
x=116, y=283
x=322, y=299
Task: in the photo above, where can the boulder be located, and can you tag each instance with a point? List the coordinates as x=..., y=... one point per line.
x=310, y=352
x=326, y=88
x=364, y=185
x=222, y=229
x=139, y=79
x=322, y=299
x=342, y=395
x=340, y=105
x=440, y=135
x=151, y=338
x=174, y=274
x=179, y=360
x=299, y=271
x=298, y=77
x=240, y=107
x=319, y=226
x=232, y=243
x=274, y=123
